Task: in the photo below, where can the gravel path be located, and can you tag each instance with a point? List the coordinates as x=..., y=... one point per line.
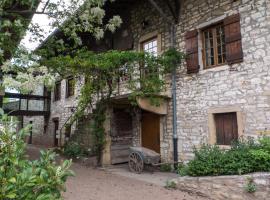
x=94, y=184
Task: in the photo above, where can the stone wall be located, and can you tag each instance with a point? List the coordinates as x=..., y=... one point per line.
x=156, y=25
x=243, y=86
x=65, y=107
x=226, y=187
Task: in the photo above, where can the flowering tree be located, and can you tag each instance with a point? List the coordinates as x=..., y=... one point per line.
x=70, y=17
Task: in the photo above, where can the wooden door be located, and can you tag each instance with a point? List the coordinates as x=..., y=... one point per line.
x=226, y=128
x=121, y=135
x=151, y=131
x=56, y=127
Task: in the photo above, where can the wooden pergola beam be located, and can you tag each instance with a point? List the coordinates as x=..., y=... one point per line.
x=174, y=9
x=26, y=113
x=161, y=12
x=25, y=96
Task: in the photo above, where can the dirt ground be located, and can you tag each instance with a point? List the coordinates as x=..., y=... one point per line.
x=100, y=184
x=96, y=184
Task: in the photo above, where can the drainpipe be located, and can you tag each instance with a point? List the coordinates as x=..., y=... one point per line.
x=175, y=135
x=172, y=24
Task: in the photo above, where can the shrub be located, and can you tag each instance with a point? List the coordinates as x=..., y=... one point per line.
x=170, y=185
x=182, y=169
x=166, y=167
x=244, y=157
x=73, y=149
x=250, y=186
x=24, y=179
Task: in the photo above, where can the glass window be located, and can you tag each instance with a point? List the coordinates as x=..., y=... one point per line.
x=70, y=86
x=57, y=91
x=214, y=51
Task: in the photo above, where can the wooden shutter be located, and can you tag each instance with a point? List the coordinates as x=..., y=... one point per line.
x=226, y=128
x=233, y=39
x=192, y=58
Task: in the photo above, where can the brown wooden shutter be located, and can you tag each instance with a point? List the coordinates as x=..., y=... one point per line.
x=233, y=39
x=192, y=58
x=226, y=128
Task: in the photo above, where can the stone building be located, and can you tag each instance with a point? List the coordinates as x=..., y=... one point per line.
x=222, y=90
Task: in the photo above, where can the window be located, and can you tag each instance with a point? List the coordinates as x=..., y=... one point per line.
x=214, y=48
x=226, y=128
x=151, y=46
x=56, y=131
x=57, y=91
x=67, y=132
x=221, y=44
x=70, y=87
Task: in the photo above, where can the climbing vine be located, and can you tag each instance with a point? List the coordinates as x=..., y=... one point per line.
x=145, y=76
x=98, y=130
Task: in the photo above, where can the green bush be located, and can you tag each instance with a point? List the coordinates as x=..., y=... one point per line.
x=21, y=178
x=73, y=149
x=243, y=157
x=166, y=167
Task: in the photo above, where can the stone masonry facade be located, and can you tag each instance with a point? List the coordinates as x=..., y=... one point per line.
x=243, y=88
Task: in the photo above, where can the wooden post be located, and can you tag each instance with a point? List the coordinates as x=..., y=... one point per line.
x=31, y=133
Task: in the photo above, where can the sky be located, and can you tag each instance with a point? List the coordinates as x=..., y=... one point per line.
x=44, y=22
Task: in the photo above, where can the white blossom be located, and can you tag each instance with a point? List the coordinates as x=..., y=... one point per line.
x=114, y=23
x=98, y=33
x=1, y=52
x=98, y=13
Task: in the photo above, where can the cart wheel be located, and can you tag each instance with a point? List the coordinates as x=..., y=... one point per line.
x=135, y=162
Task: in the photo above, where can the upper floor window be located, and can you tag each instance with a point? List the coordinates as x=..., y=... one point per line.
x=221, y=44
x=214, y=50
x=151, y=46
x=57, y=91
x=70, y=87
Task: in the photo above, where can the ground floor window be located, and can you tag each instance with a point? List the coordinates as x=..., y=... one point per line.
x=226, y=128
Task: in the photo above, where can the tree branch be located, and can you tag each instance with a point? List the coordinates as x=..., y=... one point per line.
x=45, y=6
x=27, y=12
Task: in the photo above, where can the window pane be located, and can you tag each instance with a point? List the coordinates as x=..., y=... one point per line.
x=214, y=45
x=209, y=51
x=151, y=47
x=220, y=44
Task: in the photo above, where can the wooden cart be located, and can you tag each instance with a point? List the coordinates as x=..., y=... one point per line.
x=140, y=156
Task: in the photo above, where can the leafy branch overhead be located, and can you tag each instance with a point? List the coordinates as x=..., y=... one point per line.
x=69, y=18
